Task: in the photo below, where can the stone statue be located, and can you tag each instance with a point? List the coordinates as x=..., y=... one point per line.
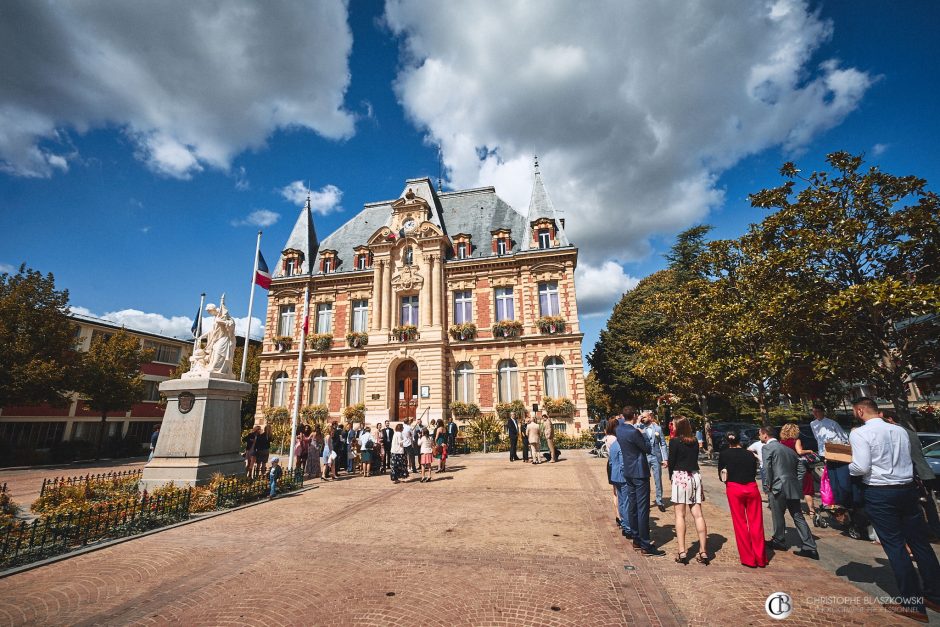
x=216, y=359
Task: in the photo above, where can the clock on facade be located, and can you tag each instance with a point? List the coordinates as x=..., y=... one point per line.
x=409, y=224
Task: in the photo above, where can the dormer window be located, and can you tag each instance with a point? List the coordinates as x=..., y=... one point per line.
x=293, y=262
x=462, y=246
x=328, y=261
x=545, y=238
x=363, y=258
x=362, y=262
x=408, y=256
x=501, y=248
x=462, y=252
x=502, y=241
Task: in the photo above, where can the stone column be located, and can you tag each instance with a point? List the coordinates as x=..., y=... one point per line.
x=377, y=272
x=436, y=295
x=425, y=296
x=388, y=306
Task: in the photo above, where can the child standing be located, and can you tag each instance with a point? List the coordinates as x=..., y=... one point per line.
x=427, y=455
x=274, y=475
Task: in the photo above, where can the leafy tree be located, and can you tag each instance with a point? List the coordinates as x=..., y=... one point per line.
x=485, y=427
x=685, y=255
x=38, y=340
x=871, y=241
x=109, y=378
x=600, y=406
x=253, y=373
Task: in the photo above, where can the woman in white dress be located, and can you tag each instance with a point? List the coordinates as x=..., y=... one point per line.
x=327, y=456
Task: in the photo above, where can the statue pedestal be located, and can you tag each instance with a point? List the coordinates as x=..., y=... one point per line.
x=200, y=434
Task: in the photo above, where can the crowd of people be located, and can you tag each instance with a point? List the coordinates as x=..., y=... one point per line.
x=884, y=483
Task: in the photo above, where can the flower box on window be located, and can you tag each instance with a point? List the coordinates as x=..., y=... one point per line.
x=357, y=340
x=551, y=324
x=283, y=343
x=464, y=411
x=558, y=406
x=405, y=333
x=507, y=329
x=464, y=331
x=355, y=413
x=321, y=341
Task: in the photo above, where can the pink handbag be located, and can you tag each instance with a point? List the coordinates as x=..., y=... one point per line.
x=825, y=490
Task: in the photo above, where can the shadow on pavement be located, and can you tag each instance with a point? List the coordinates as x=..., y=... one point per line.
x=880, y=575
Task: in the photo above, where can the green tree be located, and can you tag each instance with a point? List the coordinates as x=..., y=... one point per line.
x=600, y=406
x=253, y=372
x=870, y=240
x=38, y=340
x=109, y=378
x=485, y=427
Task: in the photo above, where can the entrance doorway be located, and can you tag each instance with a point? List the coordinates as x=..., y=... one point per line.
x=406, y=385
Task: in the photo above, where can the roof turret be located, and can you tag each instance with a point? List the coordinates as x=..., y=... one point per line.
x=302, y=238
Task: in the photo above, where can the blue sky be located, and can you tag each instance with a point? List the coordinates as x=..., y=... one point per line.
x=133, y=172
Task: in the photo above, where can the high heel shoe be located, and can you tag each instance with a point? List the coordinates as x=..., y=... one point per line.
x=682, y=558
x=702, y=560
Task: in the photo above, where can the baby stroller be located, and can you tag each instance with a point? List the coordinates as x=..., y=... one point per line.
x=850, y=520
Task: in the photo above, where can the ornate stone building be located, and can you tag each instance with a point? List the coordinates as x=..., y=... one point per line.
x=427, y=300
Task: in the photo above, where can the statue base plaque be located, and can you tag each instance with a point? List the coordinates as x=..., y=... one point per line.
x=201, y=432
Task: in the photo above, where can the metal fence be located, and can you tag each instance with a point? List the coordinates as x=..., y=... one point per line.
x=23, y=542
x=114, y=479
x=236, y=490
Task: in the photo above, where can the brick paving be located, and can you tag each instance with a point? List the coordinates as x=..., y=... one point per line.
x=491, y=543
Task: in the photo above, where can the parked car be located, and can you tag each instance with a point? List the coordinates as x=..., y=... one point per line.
x=926, y=438
x=932, y=455
x=747, y=431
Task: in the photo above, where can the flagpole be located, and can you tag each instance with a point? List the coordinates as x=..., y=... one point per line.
x=300, y=377
x=198, y=322
x=251, y=302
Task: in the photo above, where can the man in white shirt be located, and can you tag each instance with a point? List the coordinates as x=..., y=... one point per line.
x=881, y=456
x=828, y=430
x=755, y=448
x=659, y=454
x=407, y=442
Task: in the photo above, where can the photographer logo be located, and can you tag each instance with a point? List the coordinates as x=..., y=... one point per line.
x=779, y=605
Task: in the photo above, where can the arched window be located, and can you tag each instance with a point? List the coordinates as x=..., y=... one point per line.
x=508, y=381
x=355, y=387
x=408, y=257
x=318, y=388
x=463, y=383
x=554, y=377
x=279, y=390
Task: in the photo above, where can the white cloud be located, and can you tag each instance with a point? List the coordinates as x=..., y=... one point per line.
x=258, y=217
x=878, y=149
x=174, y=326
x=323, y=201
x=191, y=84
x=600, y=287
x=634, y=108
x=6, y=268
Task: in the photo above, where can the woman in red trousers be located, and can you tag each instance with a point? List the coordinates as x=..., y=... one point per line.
x=737, y=467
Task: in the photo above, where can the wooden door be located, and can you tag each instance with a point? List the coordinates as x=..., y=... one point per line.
x=406, y=387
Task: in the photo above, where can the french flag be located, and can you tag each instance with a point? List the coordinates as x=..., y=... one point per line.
x=263, y=275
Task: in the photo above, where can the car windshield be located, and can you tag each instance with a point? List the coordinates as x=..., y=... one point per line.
x=933, y=451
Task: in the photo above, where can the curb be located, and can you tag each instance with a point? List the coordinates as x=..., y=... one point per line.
x=91, y=548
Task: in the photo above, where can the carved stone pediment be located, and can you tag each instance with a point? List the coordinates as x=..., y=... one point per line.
x=408, y=278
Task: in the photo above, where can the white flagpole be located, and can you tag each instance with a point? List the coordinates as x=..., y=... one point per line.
x=202, y=304
x=251, y=302
x=300, y=377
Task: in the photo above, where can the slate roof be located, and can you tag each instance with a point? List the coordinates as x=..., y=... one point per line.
x=476, y=212
x=302, y=238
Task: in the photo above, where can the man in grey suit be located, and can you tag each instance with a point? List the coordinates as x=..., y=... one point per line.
x=783, y=482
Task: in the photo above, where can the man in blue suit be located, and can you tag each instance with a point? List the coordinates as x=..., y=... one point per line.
x=634, y=448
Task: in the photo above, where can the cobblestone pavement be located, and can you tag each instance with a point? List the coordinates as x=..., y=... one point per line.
x=490, y=543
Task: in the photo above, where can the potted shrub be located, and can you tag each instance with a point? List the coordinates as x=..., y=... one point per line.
x=507, y=329
x=355, y=413
x=321, y=341
x=551, y=324
x=517, y=407
x=357, y=340
x=283, y=342
x=558, y=406
x=405, y=332
x=464, y=331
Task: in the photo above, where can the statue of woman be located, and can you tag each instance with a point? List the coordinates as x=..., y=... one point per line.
x=220, y=341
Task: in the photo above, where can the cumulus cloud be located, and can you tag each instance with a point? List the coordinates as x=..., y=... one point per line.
x=323, y=201
x=6, y=268
x=173, y=326
x=258, y=217
x=599, y=287
x=878, y=149
x=190, y=84
x=634, y=108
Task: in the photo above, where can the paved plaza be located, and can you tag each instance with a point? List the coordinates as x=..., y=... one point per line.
x=490, y=543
